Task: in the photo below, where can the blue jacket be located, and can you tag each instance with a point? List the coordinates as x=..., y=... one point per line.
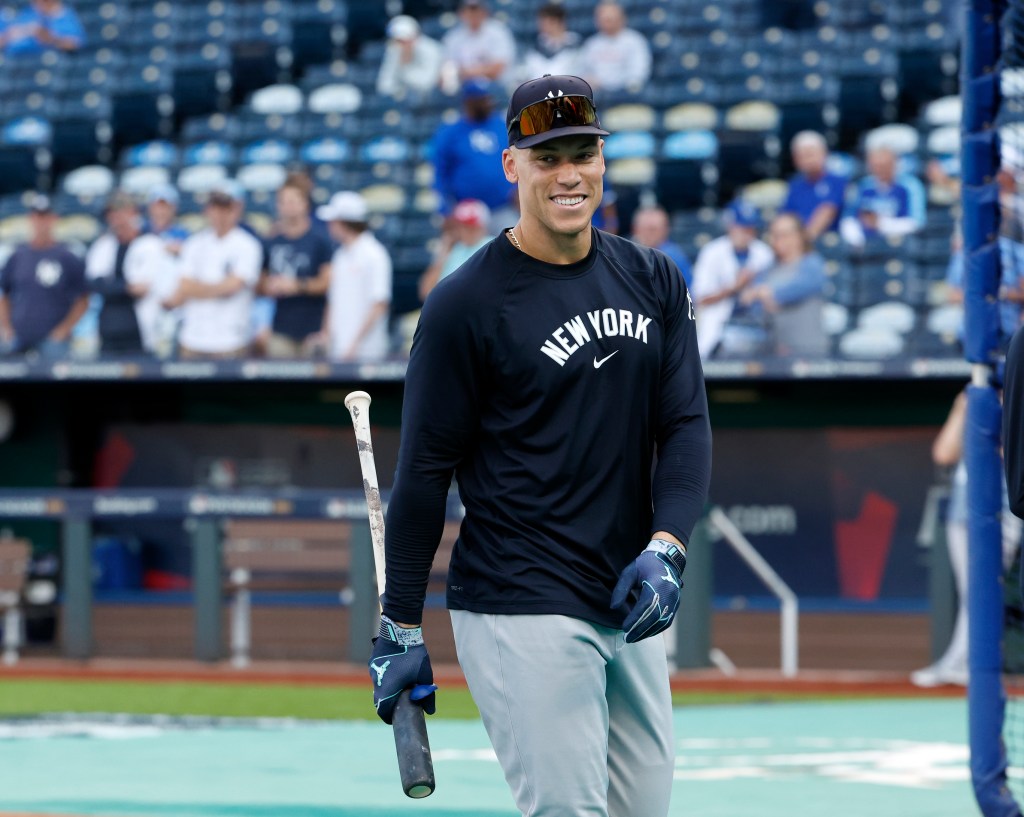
x=467, y=163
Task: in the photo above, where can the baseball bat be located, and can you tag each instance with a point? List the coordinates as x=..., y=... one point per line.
x=410, y=726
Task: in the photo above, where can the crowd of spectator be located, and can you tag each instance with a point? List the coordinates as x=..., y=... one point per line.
x=320, y=283
x=153, y=290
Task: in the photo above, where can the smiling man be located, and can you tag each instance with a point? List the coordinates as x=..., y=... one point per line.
x=544, y=374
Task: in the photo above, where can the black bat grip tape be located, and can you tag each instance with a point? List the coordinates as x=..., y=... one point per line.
x=414, y=762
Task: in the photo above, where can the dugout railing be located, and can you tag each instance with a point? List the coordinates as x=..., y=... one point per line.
x=206, y=515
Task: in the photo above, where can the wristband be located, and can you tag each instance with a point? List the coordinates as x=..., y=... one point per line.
x=673, y=552
x=403, y=636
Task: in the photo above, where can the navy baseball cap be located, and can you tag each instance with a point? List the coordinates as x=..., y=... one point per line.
x=551, y=107
x=743, y=214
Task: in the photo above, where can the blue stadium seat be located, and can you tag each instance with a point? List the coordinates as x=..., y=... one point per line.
x=629, y=145
x=260, y=54
x=254, y=126
x=264, y=151
x=218, y=127
x=81, y=131
x=325, y=151
x=209, y=152
x=159, y=153
x=27, y=130
x=686, y=174
x=142, y=103
x=318, y=32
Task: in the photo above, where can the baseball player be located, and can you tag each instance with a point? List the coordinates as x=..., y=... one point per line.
x=544, y=374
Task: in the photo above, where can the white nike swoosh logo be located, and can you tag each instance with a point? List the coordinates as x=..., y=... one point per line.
x=599, y=363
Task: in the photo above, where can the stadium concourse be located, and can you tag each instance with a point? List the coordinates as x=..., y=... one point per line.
x=192, y=92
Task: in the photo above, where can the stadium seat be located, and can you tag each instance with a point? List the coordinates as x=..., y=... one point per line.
x=260, y=54
x=896, y=316
x=264, y=177
x=325, y=151
x=90, y=182
x=901, y=139
x=871, y=344
x=142, y=104
x=690, y=116
x=27, y=130
x=201, y=178
x=80, y=228
x=318, y=32
x=385, y=198
x=140, y=180
x=635, y=117
x=633, y=144
x=211, y=152
x=255, y=127
x=835, y=319
x=767, y=194
x=386, y=149
x=151, y=154
x=275, y=151
x=81, y=131
x=946, y=111
x=282, y=99
x=217, y=127
x=632, y=171
x=339, y=98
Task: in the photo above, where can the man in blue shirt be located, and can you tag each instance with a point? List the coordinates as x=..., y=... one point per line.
x=40, y=26
x=467, y=156
x=814, y=195
x=886, y=204
x=42, y=290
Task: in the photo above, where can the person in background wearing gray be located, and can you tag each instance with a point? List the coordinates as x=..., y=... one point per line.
x=556, y=50
x=412, y=60
x=42, y=290
x=479, y=47
x=617, y=58
x=790, y=293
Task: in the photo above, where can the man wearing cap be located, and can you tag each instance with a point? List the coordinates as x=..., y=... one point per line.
x=479, y=47
x=43, y=289
x=725, y=267
x=129, y=270
x=412, y=60
x=467, y=156
x=543, y=374
x=355, y=326
x=162, y=210
x=651, y=229
x=468, y=233
x=220, y=267
x=296, y=271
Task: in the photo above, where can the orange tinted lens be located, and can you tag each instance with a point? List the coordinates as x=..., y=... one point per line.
x=567, y=110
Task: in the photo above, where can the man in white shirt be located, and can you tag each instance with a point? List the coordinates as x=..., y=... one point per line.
x=479, y=47
x=725, y=266
x=412, y=60
x=132, y=273
x=616, y=58
x=556, y=50
x=359, y=298
x=220, y=267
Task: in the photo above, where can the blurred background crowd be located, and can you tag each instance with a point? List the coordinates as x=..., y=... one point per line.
x=289, y=180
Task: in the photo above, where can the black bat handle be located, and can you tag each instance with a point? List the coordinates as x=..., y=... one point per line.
x=413, y=747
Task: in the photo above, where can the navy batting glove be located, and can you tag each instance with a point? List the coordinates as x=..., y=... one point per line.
x=400, y=661
x=657, y=576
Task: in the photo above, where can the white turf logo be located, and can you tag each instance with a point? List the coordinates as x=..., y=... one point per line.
x=606, y=323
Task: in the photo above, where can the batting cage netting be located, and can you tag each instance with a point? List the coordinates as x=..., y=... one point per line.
x=992, y=170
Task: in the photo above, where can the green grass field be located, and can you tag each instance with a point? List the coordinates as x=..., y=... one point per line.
x=250, y=700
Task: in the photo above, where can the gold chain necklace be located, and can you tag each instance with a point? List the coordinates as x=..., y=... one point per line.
x=510, y=232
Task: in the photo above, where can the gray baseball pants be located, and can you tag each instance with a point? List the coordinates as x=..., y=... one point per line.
x=581, y=722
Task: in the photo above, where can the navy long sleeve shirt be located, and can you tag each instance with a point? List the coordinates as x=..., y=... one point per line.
x=546, y=390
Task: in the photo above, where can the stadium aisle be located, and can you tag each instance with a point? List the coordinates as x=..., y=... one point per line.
x=845, y=759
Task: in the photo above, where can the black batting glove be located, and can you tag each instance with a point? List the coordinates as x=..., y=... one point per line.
x=657, y=576
x=399, y=661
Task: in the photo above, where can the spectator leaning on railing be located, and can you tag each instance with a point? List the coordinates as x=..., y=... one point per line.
x=130, y=271
x=43, y=290
x=885, y=204
x=220, y=267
